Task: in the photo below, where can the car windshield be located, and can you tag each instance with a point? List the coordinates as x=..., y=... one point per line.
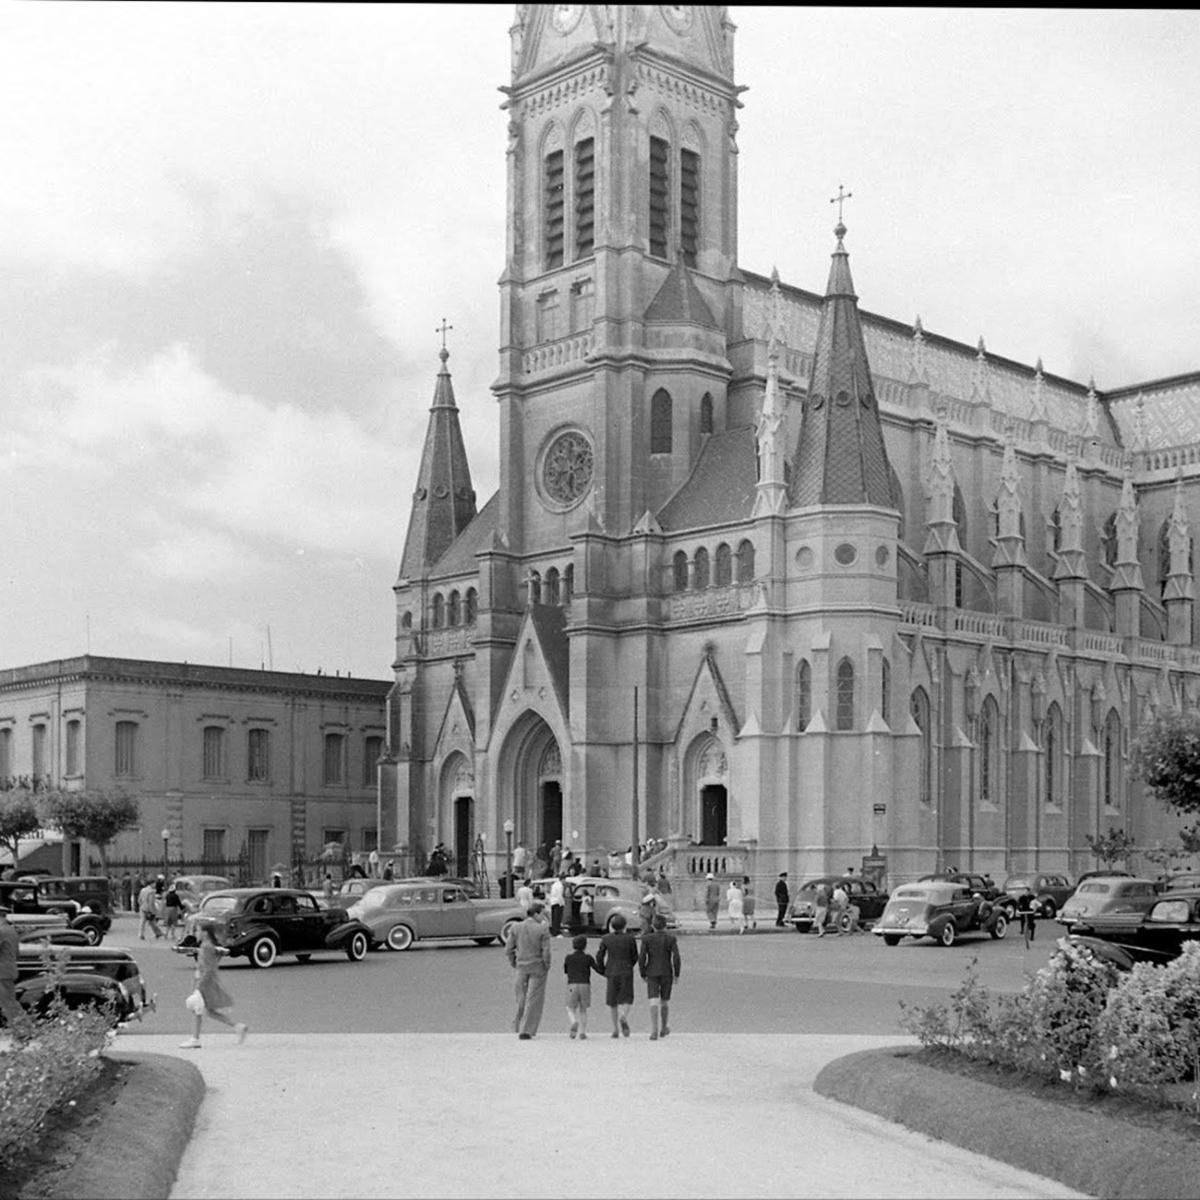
x=218, y=904
x=1099, y=888
x=912, y=892
x=1017, y=881
x=381, y=897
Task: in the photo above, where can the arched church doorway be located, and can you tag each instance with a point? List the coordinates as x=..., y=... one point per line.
x=530, y=771
x=714, y=815
x=464, y=835
x=552, y=824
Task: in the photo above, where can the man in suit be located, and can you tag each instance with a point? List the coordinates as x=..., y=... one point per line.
x=528, y=950
x=782, y=899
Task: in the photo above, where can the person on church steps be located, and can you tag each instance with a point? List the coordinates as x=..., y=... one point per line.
x=735, y=903
x=659, y=963
x=712, y=900
x=616, y=958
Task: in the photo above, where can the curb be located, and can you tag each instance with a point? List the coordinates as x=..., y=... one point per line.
x=136, y=1149
x=1089, y=1151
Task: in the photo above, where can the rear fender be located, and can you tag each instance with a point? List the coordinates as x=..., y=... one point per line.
x=340, y=934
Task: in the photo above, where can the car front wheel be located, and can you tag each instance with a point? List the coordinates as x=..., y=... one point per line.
x=999, y=926
x=1049, y=908
x=93, y=935
x=509, y=926
x=264, y=952
x=946, y=934
x=357, y=947
x=399, y=937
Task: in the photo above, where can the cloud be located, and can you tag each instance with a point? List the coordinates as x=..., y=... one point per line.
x=190, y=555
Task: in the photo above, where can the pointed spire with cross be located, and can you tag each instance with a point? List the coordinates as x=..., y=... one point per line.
x=443, y=329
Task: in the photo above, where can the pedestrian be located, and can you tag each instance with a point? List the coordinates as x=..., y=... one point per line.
x=215, y=997
x=749, y=903
x=587, y=911
x=556, y=858
x=574, y=906
x=525, y=896
x=520, y=858
x=373, y=864
x=579, y=965
x=839, y=902
x=662, y=883
x=734, y=904
x=160, y=885
x=148, y=908
x=659, y=963
x=328, y=888
x=528, y=950
x=1029, y=908
x=783, y=897
x=389, y=871
x=127, y=892
x=594, y=870
x=647, y=909
x=557, y=899
x=712, y=899
x=173, y=912
x=820, y=909
x=10, y=945
x=616, y=958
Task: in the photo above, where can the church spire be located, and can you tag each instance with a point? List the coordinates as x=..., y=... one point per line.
x=840, y=458
x=443, y=503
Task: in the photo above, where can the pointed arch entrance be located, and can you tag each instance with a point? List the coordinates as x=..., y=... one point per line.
x=707, y=775
x=531, y=773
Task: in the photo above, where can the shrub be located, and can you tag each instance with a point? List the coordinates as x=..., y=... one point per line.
x=46, y=1071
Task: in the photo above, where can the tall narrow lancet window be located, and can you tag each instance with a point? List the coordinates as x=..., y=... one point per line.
x=453, y=609
x=706, y=413
x=679, y=571
x=660, y=196
x=700, y=569
x=919, y=710
x=1055, y=764
x=535, y=588
x=439, y=611
x=660, y=422
x=745, y=562
x=803, y=695
x=568, y=583
x=1112, y=761
x=723, y=572
x=960, y=519
x=885, y=691
x=553, y=210
x=1108, y=541
x=845, y=696
x=989, y=758
x=689, y=205
x=585, y=197
x=472, y=606
x=552, y=586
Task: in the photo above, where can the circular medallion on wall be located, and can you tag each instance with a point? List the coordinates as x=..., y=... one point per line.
x=678, y=16
x=564, y=17
x=804, y=558
x=566, y=469
x=882, y=556
x=845, y=554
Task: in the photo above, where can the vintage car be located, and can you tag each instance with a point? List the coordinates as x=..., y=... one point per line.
x=25, y=897
x=192, y=889
x=1051, y=889
x=1154, y=937
x=416, y=910
x=612, y=896
x=88, y=891
x=862, y=892
x=263, y=923
x=1179, y=881
x=1102, y=895
x=974, y=882
x=940, y=910
x=81, y=976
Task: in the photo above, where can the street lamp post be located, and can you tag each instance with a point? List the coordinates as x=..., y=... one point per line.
x=166, y=837
x=508, y=832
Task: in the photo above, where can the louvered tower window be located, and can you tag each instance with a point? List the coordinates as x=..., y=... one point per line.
x=585, y=197
x=554, y=214
x=689, y=205
x=660, y=196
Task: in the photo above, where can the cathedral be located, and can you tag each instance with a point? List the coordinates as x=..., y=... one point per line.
x=783, y=583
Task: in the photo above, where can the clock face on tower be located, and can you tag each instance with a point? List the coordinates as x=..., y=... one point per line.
x=678, y=16
x=564, y=17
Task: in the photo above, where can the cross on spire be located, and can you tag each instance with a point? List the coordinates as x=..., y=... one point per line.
x=443, y=329
x=839, y=200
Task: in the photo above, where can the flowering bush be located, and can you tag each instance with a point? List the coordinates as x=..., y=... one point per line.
x=46, y=1071
x=1150, y=1028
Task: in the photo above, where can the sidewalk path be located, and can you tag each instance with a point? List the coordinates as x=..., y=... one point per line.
x=400, y=1115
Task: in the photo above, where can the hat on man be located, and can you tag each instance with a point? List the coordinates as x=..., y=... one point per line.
x=782, y=874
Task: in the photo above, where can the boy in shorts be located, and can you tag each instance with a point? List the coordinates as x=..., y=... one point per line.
x=578, y=966
x=659, y=964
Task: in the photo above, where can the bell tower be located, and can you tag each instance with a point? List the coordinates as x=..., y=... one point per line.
x=621, y=249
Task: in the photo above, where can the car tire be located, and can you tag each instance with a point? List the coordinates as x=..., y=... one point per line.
x=93, y=933
x=483, y=941
x=845, y=924
x=947, y=934
x=891, y=939
x=508, y=927
x=264, y=952
x=999, y=926
x=399, y=937
x=1049, y=908
x=357, y=946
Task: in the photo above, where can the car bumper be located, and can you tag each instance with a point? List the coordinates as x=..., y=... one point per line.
x=914, y=930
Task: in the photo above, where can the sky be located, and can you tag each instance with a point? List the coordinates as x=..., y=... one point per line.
x=229, y=232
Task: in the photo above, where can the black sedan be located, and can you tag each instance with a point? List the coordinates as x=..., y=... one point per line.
x=1154, y=937
x=81, y=977
x=263, y=923
x=863, y=893
x=25, y=897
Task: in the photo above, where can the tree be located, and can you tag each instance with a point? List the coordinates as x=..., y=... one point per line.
x=1114, y=845
x=18, y=815
x=94, y=814
x=1167, y=758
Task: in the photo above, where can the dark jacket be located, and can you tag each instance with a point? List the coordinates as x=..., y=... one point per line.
x=782, y=895
x=660, y=955
x=579, y=965
x=618, y=954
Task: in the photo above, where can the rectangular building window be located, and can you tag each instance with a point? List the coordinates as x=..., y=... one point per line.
x=689, y=205
x=125, y=759
x=554, y=210
x=585, y=197
x=583, y=296
x=258, y=755
x=258, y=842
x=214, y=752
x=660, y=197
x=74, y=763
x=547, y=316
x=372, y=752
x=335, y=758
x=39, y=752
x=212, y=849
x=6, y=767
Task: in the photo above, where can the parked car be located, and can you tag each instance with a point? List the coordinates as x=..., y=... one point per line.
x=985, y=885
x=192, y=889
x=1101, y=873
x=862, y=892
x=82, y=976
x=89, y=891
x=415, y=910
x=25, y=897
x=1179, y=881
x=1102, y=895
x=1154, y=937
x=612, y=896
x=1051, y=889
x=263, y=923
x=940, y=910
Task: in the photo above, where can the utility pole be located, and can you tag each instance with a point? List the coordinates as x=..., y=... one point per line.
x=636, y=813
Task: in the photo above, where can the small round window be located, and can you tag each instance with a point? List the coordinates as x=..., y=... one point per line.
x=804, y=558
x=845, y=554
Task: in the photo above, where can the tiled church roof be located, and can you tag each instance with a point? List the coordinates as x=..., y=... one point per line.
x=721, y=485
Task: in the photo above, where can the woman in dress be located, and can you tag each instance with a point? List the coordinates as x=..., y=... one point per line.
x=734, y=902
x=208, y=963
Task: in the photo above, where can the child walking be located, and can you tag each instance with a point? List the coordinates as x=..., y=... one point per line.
x=216, y=998
x=579, y=965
